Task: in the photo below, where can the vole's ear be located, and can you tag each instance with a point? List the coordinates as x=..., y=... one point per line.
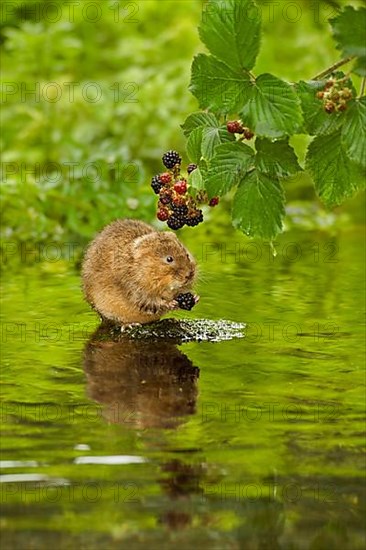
x=140, y=240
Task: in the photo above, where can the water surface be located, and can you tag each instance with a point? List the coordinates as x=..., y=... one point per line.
x=250, y=443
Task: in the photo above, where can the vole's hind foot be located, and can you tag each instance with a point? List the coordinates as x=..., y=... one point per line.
x=129, y=325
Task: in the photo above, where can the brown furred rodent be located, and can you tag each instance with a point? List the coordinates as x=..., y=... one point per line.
x=132, y=273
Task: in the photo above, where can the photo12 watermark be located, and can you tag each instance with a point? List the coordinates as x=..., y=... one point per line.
x=70, y=11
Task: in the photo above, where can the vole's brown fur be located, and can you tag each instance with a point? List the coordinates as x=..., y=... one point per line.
x=127, y=276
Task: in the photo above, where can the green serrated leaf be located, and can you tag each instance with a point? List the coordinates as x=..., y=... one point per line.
x=231, y=30
x=259, y=206
x=273, y=109
x=360, y=66
x=349, y=31
x=335, y=176
x=218, y=87
x=212, y=137
x=354, y=132
x=203, y=168
x=195, y=179
x=227, y=168
x=199, y=119
x=194, y=144
x=276, y=158
x=316, y=120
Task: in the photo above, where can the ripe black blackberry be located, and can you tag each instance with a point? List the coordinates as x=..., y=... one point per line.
x=194, y=218
x=186, y=301
x=191, y=167
x=175, y=222
x=171, y=158
x=180, y=210
x=156, y=184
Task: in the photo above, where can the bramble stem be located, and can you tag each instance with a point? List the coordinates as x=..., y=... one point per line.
x=333, y=67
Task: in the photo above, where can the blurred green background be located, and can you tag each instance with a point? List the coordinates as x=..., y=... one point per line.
x=95, y=92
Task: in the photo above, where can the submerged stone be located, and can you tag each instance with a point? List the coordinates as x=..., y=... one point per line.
x=182, y=330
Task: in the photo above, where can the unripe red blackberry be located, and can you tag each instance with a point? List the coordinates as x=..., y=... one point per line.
x=191, y=167
x=186, y=301
x=165, y=196
x=180, y=187
x=165, y=178
x=346, y=93
x=341, y=107
x=214, y=201
x=171, y=158
x=248, y=134
x=163, y=214
x=329, y=107
x=156, y=184
x=234, y=127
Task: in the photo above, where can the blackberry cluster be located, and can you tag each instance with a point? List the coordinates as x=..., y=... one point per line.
x=334, y=96
x=236, y=127
x=186, y=301
x=176, y=206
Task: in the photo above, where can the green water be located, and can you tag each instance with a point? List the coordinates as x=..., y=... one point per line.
x=253, y=443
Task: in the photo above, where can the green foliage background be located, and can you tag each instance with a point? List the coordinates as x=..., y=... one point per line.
x=149, y=59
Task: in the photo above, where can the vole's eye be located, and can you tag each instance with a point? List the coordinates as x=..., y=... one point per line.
x=169, y=259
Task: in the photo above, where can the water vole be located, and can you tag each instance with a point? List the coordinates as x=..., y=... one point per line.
x=132, y=273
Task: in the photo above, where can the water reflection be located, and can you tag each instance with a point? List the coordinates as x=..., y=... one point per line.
x=140, y=383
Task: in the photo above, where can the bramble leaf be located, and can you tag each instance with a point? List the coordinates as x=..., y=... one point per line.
x=349, y=32
x=199, y=119
x=212, y=137
x=231, y=30
x=194, y=144
x=259, y=205
x=354, y=131
x=227, y=168
x=216, y=86
x=335, y=176
x=195, y=179
x=205, y=134
x=273, y=109
x=276, y=158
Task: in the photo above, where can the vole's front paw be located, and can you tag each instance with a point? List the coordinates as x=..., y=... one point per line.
x=171, y=306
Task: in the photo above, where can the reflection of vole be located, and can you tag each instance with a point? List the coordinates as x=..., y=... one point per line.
x=133, y=273
x=140, y=383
